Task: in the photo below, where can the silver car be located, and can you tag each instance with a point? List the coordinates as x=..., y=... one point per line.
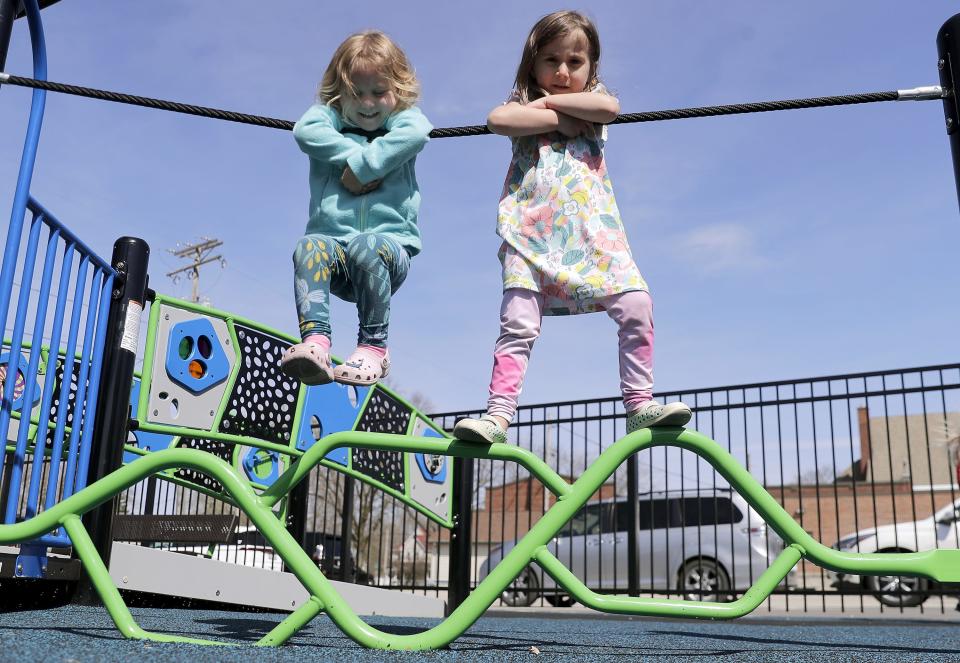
x=704, y=545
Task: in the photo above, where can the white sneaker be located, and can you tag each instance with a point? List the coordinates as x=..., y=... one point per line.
x=485, y=430
x=652, y=413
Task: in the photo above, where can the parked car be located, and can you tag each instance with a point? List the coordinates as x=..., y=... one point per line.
x=703, y=544
x=327, y=551
x=249, y=547
x=936, y=531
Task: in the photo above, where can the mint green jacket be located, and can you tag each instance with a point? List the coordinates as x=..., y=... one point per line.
x=390, y=209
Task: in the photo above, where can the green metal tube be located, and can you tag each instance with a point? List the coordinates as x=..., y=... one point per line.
x=629, y=605
x=101, y=580
x=146, y=375
x=941, y=565
x=448, y=447
x=108, y=592
x=293, y=623
x=220, y=313
x=180, y=431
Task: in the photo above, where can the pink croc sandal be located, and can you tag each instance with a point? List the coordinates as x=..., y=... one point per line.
x=307, y=362
x=362, y=368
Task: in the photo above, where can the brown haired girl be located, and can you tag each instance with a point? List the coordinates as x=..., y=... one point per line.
x=564, y=249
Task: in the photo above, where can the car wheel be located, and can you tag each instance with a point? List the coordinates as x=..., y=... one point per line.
x=559, y=600
x=523, y=591
x=363, y=578
x=703, y=579
x=896, y=591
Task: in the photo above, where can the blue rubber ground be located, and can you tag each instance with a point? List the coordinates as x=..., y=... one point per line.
x=80, y=634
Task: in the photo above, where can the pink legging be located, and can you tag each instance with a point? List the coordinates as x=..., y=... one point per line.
x=520, y=316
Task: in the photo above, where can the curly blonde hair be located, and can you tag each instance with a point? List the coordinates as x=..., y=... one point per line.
x=370, y=50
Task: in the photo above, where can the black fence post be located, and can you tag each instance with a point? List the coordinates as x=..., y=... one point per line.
x=131, y=256
x=149, y=506
x=6, y=460
x=297, y=514
x=633, y=525
x=346, y=531
x=458, y=584
x=948, y=62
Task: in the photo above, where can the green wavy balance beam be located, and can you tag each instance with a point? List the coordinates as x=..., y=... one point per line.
x=938, y=565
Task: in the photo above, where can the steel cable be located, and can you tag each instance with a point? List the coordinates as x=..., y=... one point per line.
x=475, y=130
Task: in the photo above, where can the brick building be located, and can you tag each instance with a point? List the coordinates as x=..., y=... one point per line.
x=920, y=449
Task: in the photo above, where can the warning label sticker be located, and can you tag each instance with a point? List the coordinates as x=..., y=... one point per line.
x=131, y=327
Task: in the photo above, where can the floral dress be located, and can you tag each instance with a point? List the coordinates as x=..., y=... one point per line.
x=561, y=229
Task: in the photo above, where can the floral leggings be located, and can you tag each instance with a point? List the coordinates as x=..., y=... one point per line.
x=367, y=270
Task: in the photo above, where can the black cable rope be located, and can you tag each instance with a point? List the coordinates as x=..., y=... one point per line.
x=149, y=102
x=456, y=132
x=758, y=107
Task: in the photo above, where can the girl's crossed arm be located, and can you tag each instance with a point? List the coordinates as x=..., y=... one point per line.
x=318, y=135
x=590, y=106
x=515, y=119
x=407, y=132
x=571, y=118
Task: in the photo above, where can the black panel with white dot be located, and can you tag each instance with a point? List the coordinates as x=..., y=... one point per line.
x=383, y=414
x=219, y=449
x=263, y=400
x=72, y=391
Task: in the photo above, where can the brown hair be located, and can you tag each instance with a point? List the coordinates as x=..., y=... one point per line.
x=548, y=28
x=369, y=50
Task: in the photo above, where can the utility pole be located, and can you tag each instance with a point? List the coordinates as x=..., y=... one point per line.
x=200, y=255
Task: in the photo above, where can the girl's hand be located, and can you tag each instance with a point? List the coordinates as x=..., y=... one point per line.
x=595, y=107
x=370, y=186
x=570, y=126
x=351, y=183
x=538, y=103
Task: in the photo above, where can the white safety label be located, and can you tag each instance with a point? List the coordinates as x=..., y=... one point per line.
x=131, y=327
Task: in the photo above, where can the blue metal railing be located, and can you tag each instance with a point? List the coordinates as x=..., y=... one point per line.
x=93, y=279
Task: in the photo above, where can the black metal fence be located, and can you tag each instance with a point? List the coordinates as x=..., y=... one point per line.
x=869, y=453
x=866, y=453
x=388, y=542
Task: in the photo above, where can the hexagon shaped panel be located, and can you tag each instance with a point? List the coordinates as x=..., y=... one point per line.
x=195, y=358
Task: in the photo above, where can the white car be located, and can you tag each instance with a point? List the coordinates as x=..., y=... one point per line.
x=248, y=547
x=936, y=531
x=705, y=545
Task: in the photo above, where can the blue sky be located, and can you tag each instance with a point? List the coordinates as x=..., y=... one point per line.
x=781, y=245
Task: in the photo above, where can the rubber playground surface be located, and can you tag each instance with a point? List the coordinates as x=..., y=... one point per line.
x=79, y=634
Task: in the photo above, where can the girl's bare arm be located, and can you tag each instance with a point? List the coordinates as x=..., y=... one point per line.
x=514, y=119
x=589, y=106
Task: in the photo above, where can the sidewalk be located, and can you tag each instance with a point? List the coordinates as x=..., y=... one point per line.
x=782, y=608
x=798, y=606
